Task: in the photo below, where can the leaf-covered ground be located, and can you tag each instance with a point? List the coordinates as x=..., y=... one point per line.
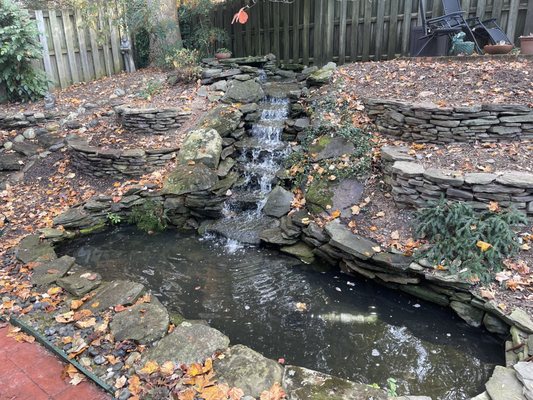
x=464, y=81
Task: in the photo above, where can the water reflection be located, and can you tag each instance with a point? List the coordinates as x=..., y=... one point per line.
x=350, y=328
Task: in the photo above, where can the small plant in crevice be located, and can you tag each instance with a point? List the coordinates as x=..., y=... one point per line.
x=149, y=217
x=114, y=219
x=392, y=387
x=464, y=241
x=151, y=88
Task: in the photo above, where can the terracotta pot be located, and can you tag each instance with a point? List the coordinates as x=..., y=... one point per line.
x=222, y=56
x=498, y=48
x=526, y=45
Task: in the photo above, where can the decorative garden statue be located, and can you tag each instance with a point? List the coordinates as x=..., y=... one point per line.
x=125, y=49
x=49, y=101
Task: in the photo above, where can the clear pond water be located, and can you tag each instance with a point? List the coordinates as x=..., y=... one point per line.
x=351, y=328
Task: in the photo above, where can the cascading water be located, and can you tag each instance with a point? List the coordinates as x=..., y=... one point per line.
x=261, y=158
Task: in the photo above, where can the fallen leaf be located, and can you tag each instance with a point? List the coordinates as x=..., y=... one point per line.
x=54, y=290
x=167, y=368
x=484, y=246
x=395, y=235
x=120, y=382
x=149, y=368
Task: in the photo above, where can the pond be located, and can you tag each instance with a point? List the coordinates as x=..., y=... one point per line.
x=308, y=315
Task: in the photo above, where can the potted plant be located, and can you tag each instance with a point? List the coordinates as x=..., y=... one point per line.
x=526, y=44
x=222, y=53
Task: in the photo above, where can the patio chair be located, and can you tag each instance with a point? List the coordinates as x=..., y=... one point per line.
x=454, y=18
x=487, y=31
x=434, y=28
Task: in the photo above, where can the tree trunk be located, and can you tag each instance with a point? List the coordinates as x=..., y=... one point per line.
x=167, y=32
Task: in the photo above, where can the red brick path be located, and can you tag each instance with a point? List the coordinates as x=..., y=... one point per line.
x=29, y=372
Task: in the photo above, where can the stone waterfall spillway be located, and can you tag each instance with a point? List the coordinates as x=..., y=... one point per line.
x=262, y=153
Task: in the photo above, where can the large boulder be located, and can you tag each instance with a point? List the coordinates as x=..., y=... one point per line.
x=188, y=343
x=144, y=323
x=322, y=76
x=202, y=146
x=189, y=179
x=248, y=370
x=225, y=119
x=248, y=91
x=278, y=202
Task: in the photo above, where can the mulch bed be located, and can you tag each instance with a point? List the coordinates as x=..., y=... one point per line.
x=467, y=82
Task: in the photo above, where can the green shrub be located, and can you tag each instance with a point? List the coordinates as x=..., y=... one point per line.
x=457, y=234
x=18, y=47
x=149, y=217
x=185, y=64
x=151, y=88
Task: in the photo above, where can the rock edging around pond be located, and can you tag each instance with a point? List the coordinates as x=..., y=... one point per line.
x=415, y=186
x=427, y=122
x=147, y=322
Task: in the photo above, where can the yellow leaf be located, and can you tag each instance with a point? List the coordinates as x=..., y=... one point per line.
x=195, y=369
x=86, y=323
x=65, y=318
x=208, y=366
x=75, y=304
x=150, y=367
x=54, y=290
x=188, y=394
x=167, y=368
x=335, y=214
x=134, y=384
x=484, y=246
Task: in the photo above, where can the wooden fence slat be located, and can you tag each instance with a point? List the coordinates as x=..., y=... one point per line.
x=296, y=33
x=248, y=40
x=367, y=29
x=86, y=71
x=354, y=30
x=275, y=13
x=44, y=43
x=95, y=54
x=330, y=25
x=115, y=45
x=342, y=32
x=513, y=17
x=380, y=29
x=497, y=6
x=286, y=33
x=436, y=11
x=393, y=29
x=406, y=28
x=305, y=33
x=69, y=35
x=266, y=29
x=528, y=28
x=105, y=44
x=317, y=33
x=56, y=40
x=480, y=10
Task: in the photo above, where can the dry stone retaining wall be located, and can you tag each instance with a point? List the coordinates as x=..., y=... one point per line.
x=25, y=119
x=414, y=185
x=426, y=122
x=117, y=162
x=151, y=120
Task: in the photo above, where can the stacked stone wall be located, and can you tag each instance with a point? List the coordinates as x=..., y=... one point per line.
x=413, y=185
x=426, y=122
x=25, y=119
x=118, y=163
x=151, y=120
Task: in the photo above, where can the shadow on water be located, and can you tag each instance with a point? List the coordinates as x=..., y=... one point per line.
x=352, y=328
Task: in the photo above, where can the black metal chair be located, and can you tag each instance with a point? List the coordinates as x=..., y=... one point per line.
x=435, y=28
x=487, y=31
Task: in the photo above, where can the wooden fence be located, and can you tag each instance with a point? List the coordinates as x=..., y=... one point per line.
x=317, y=31
x=73, y=50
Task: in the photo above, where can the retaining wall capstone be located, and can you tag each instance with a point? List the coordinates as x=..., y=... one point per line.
x=117, y=163
x=413, y=185
x=151, y=120
x=25, y=119
x=426, y=122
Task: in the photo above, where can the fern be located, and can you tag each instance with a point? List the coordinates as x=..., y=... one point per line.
x=149, y=217
x=454, y=229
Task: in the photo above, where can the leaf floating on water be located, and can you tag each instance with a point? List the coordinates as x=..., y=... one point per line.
x=301, y=307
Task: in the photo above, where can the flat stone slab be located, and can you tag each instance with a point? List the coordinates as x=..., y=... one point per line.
x=301, y=251
x=190, y=178
x=471, y=315
x=304, y=384
x=503, y=385
x=408, y=168
x=517, y=179
x=31, y=248
x=521, y=319
x=51, y=271
x=342, y=238
x=144, y=323
x=189, y=343
x=80, y=283
x=248, y=370
x=115, y=293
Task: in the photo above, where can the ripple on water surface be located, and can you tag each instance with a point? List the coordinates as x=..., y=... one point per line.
x=351, y=328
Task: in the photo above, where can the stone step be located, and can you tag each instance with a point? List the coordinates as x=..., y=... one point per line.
x=504, y=385
x=115, y=293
